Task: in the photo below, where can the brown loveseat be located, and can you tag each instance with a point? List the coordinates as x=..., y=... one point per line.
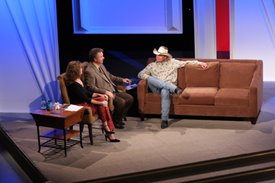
x=227, y=88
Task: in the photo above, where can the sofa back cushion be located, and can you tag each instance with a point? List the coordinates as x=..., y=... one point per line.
x=195, y=76
x=236, y=75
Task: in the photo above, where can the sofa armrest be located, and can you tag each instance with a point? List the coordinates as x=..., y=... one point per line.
x=256, y=88
x=142, y=89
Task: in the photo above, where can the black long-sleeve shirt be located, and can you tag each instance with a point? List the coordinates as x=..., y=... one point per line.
x=78, y=94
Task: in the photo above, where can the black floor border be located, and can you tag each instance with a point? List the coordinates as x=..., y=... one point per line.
x=256, y=175
x=195, y=169
x=23, y=161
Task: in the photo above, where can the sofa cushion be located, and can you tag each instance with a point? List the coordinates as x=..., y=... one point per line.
x=199, y=77
x=198, y=96
x=232, y=96
x=152, y=97
x=236, y=75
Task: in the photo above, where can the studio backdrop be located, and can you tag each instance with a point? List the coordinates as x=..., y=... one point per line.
x=28, y=54
x=29, y=59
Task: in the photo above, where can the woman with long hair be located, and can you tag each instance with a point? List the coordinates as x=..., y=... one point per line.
x=79, y=95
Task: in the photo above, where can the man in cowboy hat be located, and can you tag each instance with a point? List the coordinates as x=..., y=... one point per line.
x=161, y=76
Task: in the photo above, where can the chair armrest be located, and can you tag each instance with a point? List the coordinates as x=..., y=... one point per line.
x=88, y=116
x=142, y=89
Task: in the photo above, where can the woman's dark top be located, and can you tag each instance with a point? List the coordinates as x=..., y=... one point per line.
x=78, y=94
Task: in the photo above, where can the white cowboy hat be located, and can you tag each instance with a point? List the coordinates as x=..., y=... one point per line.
x=162, y=51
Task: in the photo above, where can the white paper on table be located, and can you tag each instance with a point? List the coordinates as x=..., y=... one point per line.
x=73, y=107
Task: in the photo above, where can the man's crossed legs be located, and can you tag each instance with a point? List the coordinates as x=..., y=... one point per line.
x=164, y=89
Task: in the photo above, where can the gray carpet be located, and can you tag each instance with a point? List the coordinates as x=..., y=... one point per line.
x=145, y=146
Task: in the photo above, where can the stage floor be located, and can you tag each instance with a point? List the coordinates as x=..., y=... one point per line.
x=144, y=145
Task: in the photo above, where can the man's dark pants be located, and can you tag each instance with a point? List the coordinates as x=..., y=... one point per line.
x=122, y=103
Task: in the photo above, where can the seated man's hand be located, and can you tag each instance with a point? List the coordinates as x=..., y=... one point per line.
x=110, y=94
x=105, y=103
x=103, y=95
x=126, y=80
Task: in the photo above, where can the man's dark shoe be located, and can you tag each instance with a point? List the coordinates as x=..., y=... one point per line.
x=119, y=126
x=178, y=91
x=164, y=124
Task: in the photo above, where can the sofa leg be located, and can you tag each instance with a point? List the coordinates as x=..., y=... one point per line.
x=253, y=121
x=141, y=116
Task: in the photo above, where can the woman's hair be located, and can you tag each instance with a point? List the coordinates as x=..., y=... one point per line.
x=73, y=71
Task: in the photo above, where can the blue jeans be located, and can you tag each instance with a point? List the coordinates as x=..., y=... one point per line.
x=164, y=89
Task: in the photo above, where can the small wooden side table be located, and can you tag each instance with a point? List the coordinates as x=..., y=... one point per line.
x=61, y=120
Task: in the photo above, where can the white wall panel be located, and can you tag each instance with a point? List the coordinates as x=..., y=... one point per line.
x=205, y=28
x=253, y=32
x=127, y=17
x=29, y=60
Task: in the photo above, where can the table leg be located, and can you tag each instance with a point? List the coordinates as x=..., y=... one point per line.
x=80, y=137
x=38, y=138
x=55, y=140
x=65, y=145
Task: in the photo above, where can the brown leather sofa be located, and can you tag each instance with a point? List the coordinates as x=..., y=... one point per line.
x=227, y=88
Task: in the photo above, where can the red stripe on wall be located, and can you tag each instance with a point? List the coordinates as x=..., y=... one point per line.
x=222, y=29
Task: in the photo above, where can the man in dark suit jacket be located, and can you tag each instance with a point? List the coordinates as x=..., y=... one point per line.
x=99, y=80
